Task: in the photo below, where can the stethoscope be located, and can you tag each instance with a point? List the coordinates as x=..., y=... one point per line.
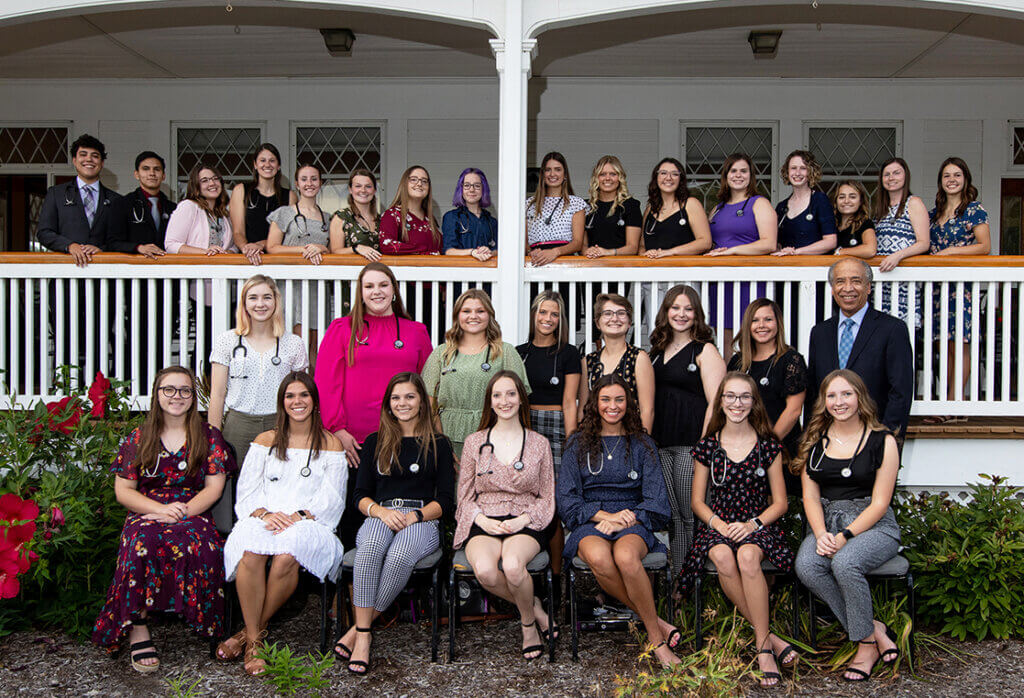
x=517, y=464
x=632, y=474
x=139, y=211
x=485, y=218
x=554, y=380
x=164, y=451
x=324, y=224
x=485, y=366
x=413, y=468
x=785, y=210
x=739, y=212
x=589, y=223
x=398, y=343
x=306, y=471
x=690, y=367
x=547, y=219
x=815, y=466
x=69, y=196
x=649, y=230
x=275, y=359
x=719, y=449
x=253, y=200
x=763, y=380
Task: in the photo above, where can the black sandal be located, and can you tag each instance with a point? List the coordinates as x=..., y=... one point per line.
x=340, y=647
x=788, y=652
x=770, y=674
x=864, y=675
x=139, y=647
x=674, y=638
x=893, y=653
x=358, y=662
x=539, y=649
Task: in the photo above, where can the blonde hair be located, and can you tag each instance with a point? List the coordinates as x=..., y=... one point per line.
x=243, y=324
x=454, y=334
x=563, y=324
x=620, y=195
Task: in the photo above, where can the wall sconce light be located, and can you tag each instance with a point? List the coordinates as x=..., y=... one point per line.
x=764, y=44
x=338, y=41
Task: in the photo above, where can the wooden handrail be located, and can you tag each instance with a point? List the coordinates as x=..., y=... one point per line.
x=241, y=261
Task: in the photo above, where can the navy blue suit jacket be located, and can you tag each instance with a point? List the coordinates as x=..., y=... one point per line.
x=62, y=218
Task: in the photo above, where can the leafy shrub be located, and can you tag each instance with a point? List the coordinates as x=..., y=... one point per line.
x=58, y=455
x=968, y=559
x=290, y=673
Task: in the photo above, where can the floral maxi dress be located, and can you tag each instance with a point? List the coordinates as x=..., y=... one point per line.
x=175, y=567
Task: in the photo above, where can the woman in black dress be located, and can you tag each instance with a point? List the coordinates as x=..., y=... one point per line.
x=737, y=467
x=853, y=218
x=687, y=372
x=674, y=223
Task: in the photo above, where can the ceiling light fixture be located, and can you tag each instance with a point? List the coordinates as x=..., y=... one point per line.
x=338, y=41
x=764, y=43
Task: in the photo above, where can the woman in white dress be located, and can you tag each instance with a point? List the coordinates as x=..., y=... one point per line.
x=291, y=493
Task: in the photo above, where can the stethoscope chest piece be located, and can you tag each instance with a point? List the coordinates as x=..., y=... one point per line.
x=554, y=380
x=486, y=366
x=518, y=465
x=682, y=221
x=846, y=472
x=399, y=344
x=691, y=367
x=759, y=471
x=182, y=465
x=763, y=381
x=809, y=216
x=276, y=360
x=414, y=468
x=633, y=475
x=853, y=241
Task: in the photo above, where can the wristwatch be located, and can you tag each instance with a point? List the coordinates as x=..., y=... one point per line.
x=304, y=514
x=419, y=515
x=847, y=534
x=757, y=522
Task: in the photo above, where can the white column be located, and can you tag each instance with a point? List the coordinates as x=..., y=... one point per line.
x=513, y=56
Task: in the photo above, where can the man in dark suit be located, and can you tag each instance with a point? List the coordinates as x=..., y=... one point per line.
x=75, y=214
x=138, y=221
x=872, y=344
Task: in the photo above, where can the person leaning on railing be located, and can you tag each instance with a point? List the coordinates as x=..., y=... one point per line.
x=253, y=201
x=674, y=223
x=469, y=229
x=612, y=224
x=806, y=222
x=356, y=228
x=855, y=229
x=409, y=226
x=554, y=216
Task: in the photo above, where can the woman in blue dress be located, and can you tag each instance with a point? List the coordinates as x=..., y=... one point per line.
x=469, y=229
x=611, y=493
x=959, y=226
x=806, y=222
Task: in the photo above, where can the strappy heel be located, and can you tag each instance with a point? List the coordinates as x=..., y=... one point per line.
x=340, y=647
x=863, y=675
x=365, y=666
x=538, y=648
x=893, y=653
x=146, y=650
x=770, y=674
x=225, y=653
x=258, y=666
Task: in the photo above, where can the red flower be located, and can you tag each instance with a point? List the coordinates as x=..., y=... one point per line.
x=99, y=393
x=14, y=559
x=14, y=508
x=63, y=416
x=56, y=517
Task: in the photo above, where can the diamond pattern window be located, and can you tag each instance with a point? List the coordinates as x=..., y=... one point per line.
x=1017, y=157
x=339, y=148
x=707, y=146
x=852, y=151
x=228, y=148
x=34, y=145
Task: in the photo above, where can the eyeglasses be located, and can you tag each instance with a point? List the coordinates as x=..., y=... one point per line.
x=419, y=180
x=208, y=180
x=732, y=398
x=170, y=391
x=475, y=186
x=671, y=174
x=609, y=314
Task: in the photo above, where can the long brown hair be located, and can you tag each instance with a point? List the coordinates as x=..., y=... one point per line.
x=588, y=434
x=538, y=195
x=454, y=333
x=358, y=314
x=661, y=337
x=967, y=195
x=758, y=417
x=881, y=205
x=194, y=193
x=863, y=213
x=374, y=205
x=401, y=200
x=821, y=420
x=744, y=341
x=682, y=192
x=316, y=427
x=254, y=184
x=389, y=435
x=197, y=445
x=723, y=182
x=488, y=418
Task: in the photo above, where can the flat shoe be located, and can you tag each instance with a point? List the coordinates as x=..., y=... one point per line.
x=225, y=653
x=138, y=647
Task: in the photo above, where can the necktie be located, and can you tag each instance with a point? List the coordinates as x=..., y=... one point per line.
x=89, y=201
x=845, y=342
x=154, y=208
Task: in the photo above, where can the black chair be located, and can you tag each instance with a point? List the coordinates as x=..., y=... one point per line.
x=539, y=566
x=429, y=566
x=896, y=569
x=231, y=596
x=656, y=563
x=769, y=569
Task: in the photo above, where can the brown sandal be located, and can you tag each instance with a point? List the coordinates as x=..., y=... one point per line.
x=254, y=666
x=225, y=653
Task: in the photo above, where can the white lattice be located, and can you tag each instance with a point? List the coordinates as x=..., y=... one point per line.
x=706, y=147
x=852, y=152
x=227, y=148
x=1018, y=145
x=338, y=149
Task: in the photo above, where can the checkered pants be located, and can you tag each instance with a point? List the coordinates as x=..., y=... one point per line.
x=385, y=559
x=551, y=425
x=677, y=465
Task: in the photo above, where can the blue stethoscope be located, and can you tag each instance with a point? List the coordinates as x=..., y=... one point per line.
x=398, y=343
x=485, y=366
x=485, y=219
x=649, y=230
x=275, y=359
x=517, y=464
x=719, y=450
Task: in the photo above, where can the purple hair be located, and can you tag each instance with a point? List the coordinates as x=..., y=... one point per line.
x=485, y=200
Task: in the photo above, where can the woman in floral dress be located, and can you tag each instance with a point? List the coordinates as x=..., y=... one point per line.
x=168, y=474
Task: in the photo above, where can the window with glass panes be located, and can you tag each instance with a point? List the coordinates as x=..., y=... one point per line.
x=227, y=147
x=706, y=147
x=852, y=150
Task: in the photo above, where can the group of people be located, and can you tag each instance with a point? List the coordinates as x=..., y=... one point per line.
x=526, y=448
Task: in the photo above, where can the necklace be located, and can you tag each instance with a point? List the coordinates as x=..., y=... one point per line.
x=841, y=442
x=614, y=448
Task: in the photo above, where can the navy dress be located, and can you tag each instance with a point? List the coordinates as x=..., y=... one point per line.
x=586, y=488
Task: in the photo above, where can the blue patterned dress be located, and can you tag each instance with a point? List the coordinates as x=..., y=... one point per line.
x=956, y=232
x=177, y=567
x=895, y=233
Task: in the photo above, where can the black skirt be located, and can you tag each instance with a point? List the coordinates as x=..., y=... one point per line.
x=542, y=537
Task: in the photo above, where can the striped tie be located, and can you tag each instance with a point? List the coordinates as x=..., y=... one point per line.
x=90, y=203
x=845, y=342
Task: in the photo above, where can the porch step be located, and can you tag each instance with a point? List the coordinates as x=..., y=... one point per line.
x=973, y=428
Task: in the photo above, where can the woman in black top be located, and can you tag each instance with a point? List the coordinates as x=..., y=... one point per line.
x=848, y=463
x=612, y=225
x=778, y=369
x=405, y=484
x=853, y=218
x=674, y=223
x=252, y=202
x=687, y=372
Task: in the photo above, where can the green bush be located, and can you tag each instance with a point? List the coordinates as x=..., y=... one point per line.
x=59, y=456
x=968, y=559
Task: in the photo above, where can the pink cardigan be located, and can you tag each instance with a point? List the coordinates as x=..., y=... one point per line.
x=489, y=487
x=189, y=226
x=351, y=396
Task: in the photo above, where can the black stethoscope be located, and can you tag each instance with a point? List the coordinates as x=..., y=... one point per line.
x=517, y=464
x=589, y=223
x=306, y=471
x=719, y=449
x=140, y=209
x=398, y=343
x=69, y=196
x=785, y=211
x=275, y=359
x=253, y=200
x=547, y=219
x=739, y=212
x=485, y=366
x=632, y=474
x=649, y=230
x=691, y=367
x=763, y=380
x=485, y=218
x=554, y=380
x=815, y=466
x=324, y=224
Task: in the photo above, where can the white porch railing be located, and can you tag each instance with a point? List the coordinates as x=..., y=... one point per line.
x=130, y=317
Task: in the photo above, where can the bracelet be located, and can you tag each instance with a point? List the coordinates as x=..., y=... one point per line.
x=419, y=515
x=713, y=517
x=370, y=508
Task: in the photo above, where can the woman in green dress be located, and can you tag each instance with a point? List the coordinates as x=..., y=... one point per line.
x=457, y=372
x=356, y=228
